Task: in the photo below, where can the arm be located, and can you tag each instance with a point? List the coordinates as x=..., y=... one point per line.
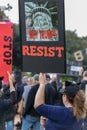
x=40, y=97
x=11, y=76
x=7, y=102
x=48, y=111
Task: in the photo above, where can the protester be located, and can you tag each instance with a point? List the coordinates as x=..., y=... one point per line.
x=54, y=84
x=60, y=85
x=83, y=82
x=11, y=112
x=68, y=117
x=20, y=89
x=83, y=86
x=27, y=89
x=80, y=75
x=6, y=103
x=31, y=117
x=50, y=91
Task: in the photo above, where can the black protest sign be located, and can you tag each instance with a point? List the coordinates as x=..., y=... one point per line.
x=42, y=35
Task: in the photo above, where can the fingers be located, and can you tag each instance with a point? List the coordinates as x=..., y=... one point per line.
x=8, y=73
x=42, y=78
x=42, y=74
x=10, y=76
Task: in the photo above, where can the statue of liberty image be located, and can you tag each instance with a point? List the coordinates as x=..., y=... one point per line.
x=39, y=25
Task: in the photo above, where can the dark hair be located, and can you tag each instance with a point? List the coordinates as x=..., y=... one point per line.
x=48, y=77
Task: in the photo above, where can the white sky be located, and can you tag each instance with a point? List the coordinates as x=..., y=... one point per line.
x=75, y=14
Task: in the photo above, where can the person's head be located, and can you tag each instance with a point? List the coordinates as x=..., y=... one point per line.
x=17, y=76
x=85, y=75
x=25, y=79
x=75, y=97
x=48, y=78
x=35, y=79
x=30, y=81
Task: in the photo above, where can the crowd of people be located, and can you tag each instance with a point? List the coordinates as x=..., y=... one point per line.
x=43, y=102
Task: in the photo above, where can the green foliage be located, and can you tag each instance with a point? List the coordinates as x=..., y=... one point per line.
x=73, y=44
x=2, y=15
x=68, y=78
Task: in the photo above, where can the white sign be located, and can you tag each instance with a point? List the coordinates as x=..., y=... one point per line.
x=76, y=68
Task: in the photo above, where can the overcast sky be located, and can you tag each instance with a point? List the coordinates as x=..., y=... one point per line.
x=75, y=14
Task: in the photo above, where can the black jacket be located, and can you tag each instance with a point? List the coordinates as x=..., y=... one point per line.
x=49, y=99
x=4, y=105
x=83, y=84
x=29, y=106
x=11, y=111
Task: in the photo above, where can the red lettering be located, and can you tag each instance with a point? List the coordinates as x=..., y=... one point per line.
x=25, y=50
x=54, y=33
x=43, y=34
x=33, y=50
x=45, y=51
x=47, y=34
x=59, y=49
x=51, y=51
x=40, y=51
x=8, y=61
x=33, y=34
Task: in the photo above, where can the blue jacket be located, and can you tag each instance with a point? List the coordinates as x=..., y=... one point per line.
x=59, y=118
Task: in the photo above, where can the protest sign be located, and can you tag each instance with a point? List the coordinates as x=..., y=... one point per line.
x=42, y=35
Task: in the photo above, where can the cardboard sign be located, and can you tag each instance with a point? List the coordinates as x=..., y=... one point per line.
x=42, y=35
x=6, y=42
